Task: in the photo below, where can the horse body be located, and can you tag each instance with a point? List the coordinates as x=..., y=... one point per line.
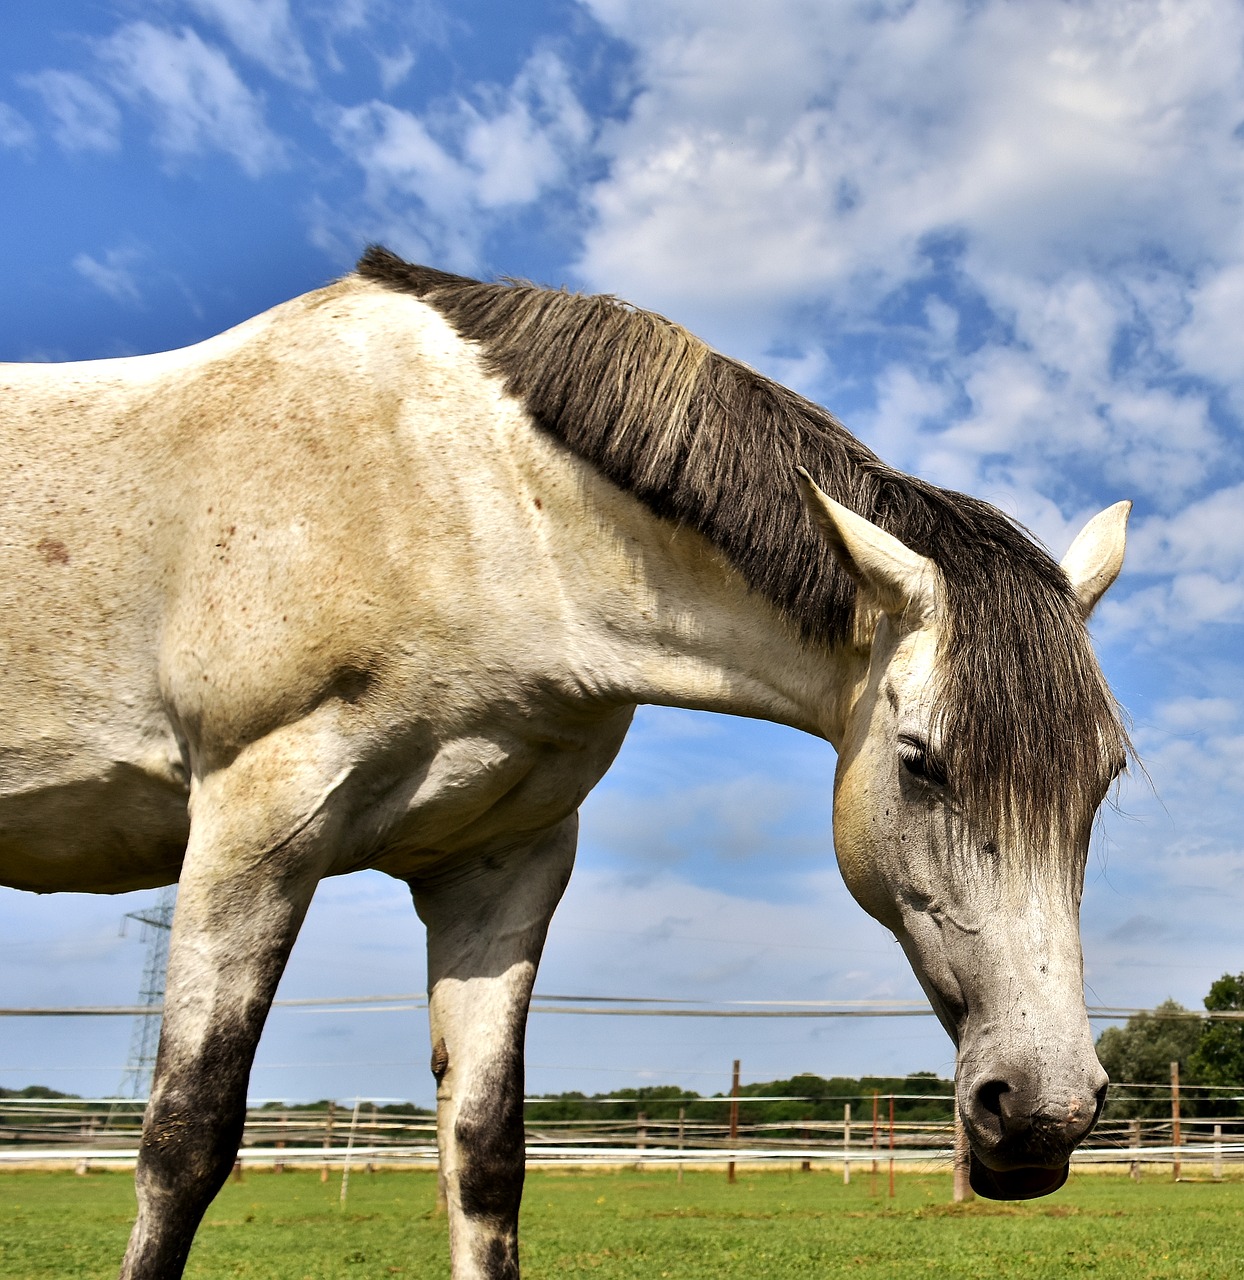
x=271, y=550
x=326, y=593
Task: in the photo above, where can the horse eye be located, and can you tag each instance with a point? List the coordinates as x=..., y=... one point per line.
x=916, y=758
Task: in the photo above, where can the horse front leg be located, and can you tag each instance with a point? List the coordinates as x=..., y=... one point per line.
x=256, y=851
x=486, y=922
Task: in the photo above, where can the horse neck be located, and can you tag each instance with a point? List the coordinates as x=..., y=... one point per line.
x=672, y=623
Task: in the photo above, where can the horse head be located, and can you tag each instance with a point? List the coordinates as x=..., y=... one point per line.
x=980, y=877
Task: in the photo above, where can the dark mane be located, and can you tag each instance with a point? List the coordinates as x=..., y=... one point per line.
x=704, y=441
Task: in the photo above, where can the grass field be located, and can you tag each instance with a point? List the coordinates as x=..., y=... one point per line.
x=627, y=1224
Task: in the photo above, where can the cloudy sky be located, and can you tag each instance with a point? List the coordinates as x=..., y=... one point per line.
x=1002, y=241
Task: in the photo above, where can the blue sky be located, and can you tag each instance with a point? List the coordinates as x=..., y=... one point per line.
x=1002, y=241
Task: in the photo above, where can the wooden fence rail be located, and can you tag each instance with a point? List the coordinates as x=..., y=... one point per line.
x=106, y=1131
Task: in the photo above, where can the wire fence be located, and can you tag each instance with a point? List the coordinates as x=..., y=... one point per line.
x=106, y=1131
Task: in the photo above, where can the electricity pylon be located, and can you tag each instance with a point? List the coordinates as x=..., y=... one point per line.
x=156, y=922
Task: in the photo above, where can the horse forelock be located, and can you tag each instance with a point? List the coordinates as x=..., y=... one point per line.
x=1025, y=718
x=1033, y=734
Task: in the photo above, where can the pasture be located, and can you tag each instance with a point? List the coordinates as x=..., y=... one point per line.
x=628, y=1224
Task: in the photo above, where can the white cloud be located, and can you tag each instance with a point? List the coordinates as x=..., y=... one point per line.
x=1188, y=713
x=1173, y=611
x=263, y=30
x=1032, y=211
x=198, y=101
x=351, y=15
x=16, y=132
x=401, y=161
x=113, y=275
x=817, y=146
x=468, y=160
x=1206, y=536
x=1069, y=170
x=521, y=149
x=1048, y=418
x=86, y=118
x=1207, y=343
x=698, y=942
x=906, y=402
x=395, y=67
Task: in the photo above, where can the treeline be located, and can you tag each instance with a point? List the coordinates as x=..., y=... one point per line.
x=370, y=1108
x=1210, y=1054
x=920, y=1096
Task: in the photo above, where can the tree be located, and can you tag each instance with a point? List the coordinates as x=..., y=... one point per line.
x=1141, y=1053
x=1219, y=1058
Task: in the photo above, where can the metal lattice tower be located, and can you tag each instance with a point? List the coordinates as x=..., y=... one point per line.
x=156, y=921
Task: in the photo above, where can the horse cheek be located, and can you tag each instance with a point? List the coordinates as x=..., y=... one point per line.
x=860, y=839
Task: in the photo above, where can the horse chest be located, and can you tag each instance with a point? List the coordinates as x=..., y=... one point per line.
x=492, y=787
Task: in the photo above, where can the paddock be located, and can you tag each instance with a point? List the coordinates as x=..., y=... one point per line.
x=622, y=1223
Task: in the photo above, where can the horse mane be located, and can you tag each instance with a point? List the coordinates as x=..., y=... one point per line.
x=1027, y=721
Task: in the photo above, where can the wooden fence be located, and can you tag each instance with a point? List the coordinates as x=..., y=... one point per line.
x=99, y=1132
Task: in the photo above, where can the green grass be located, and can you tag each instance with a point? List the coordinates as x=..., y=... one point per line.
x=626, y=1224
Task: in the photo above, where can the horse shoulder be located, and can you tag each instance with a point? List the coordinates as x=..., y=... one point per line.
x=341, y=517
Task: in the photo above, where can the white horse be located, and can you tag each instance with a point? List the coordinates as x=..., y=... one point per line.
x=377, y=579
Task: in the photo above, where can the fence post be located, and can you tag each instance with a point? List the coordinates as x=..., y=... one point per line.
x=279, y=1164
x=963, y=1161
x=891, y=1146
x=345, y=1167
x=872, y=1177
x=846, y=1144
x=83, y=1167
x=1217, y=1152
x=328, y=1138
x=1135, y=1127
x=1175, y=1134
x=641, y=1137
x=682, y=1131
x=734, y=1118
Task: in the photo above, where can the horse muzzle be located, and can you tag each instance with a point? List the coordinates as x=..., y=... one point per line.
x=1021, y=1145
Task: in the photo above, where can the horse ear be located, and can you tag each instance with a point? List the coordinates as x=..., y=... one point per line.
x=900, y=580
x=1094, y=559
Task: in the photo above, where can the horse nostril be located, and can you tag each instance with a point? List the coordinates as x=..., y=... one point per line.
x=1101, y=1101
x=989, y=1095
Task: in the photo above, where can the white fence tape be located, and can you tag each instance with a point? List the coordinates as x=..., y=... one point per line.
x=539, y=1153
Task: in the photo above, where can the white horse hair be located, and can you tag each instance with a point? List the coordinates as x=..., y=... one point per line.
x=377, y=579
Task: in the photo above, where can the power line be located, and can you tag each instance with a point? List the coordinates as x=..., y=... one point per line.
x=627, y=1006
